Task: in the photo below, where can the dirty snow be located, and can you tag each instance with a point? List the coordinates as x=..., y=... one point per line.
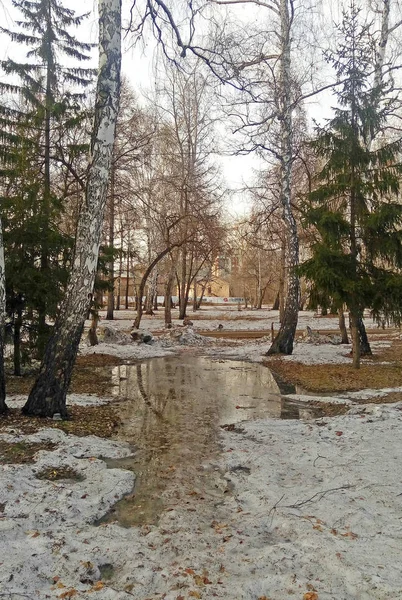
x=293, y=510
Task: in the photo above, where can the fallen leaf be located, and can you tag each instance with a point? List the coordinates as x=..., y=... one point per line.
x=189, y=571
x=350, y=534
x=194, y=594
x=310, y=596
x=69, y=594
x=98, y=586
x=338, y=433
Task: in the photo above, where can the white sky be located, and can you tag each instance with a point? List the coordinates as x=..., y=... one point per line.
x=137, y=66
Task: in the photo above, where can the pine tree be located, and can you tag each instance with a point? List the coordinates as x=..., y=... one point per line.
x=46, y=100
x=48, y=395
x=354, y=208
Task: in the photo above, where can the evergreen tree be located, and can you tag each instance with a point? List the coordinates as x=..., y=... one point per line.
x=48, y=395
x=354, y=208
x=48, y=96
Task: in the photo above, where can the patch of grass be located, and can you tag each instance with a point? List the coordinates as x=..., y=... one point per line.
x=56, y=473
x=99, y=360
x=339, y=378
x=85, y=420
x=88, y=378
x=17, y=453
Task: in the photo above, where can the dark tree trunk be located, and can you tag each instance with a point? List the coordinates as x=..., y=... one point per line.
x=92, y=335
x=17, y=341
x=110, y=296
x=49, y=392
x=168, y=300
x=183, y=287
x=3, y=405
x=342, y=327
x=355, y=339
x=195, y=303
x=365, y=349
x=275, y=305
x=143, y=282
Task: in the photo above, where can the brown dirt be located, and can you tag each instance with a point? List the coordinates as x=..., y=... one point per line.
x=87, y=379
x=85, y=420
x=338, y=378
x=56, y=473
x=18, y=453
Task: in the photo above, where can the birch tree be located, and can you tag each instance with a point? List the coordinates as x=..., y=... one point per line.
x=48, y=395
x=262, y=70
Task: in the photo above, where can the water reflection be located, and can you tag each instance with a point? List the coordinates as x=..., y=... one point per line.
x=175, y=408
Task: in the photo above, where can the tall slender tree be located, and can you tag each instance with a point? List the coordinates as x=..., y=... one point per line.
x=3, y=405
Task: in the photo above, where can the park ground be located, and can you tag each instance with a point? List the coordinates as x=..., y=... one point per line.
x=277, y=509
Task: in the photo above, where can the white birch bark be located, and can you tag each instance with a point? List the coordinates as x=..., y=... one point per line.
x=3, y=405
x=283, y=342
x=48, y=395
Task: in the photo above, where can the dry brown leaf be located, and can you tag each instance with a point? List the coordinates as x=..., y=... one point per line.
x=69, y=593
x=310, y=596
x=98, y=586
x=194, y=594
x=350, y=535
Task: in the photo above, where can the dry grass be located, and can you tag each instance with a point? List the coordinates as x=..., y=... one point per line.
x=18, y=453
x=87, y=379
x=338, y=378
x=57, y=473
x=84, y=420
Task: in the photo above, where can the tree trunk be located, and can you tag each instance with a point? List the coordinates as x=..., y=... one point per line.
x=110, y=296
x=92, y=335
x=281, y=291
x=365, y=349
x=283, y=343
x=44, y=257
x=355, y=339
x=168, y=298
x=342, y=327
x=195, y=303
x=182, y=287
x=3, y=405
x=143, y=282
x=48, y=395
x=127, y=275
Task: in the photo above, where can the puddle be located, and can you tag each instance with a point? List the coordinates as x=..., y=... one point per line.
x=173, y=414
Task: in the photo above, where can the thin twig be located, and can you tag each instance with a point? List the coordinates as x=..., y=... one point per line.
x=318, y=495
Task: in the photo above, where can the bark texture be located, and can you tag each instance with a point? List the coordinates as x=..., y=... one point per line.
x=342, y=327
x=283, y=343
x=365, y=349
x=48, y=395
x=3, y=405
